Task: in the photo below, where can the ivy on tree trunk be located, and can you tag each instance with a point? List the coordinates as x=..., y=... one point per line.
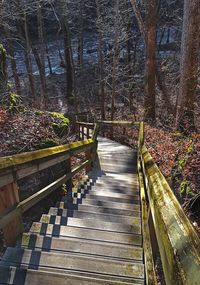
x=3, y=70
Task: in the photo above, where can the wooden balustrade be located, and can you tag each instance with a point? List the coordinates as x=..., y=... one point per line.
x=166, y=229
x=13, y=168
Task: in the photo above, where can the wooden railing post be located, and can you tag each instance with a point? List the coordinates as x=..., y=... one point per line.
x=92, y=153
x=88, y=155
x=9, y=197
x=141, y=135
x=79, y=132
x=83, y=132
x=88, y=132
x=69, y=183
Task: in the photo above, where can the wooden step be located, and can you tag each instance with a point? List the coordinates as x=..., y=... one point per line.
x=98, y=216
x=18, y=276
x=101, y=209
x=48, y=261
x=116, y=188
x=82, y=246
x=92, y=224
x=86, y=233
x=111, y=193
x=111, y=204
x=127, y=199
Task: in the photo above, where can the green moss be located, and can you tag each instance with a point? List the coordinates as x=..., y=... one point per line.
x=39, y=113
x=61, y=117
x=186, y=190
x=47, y=143
x=182, y=162
x=60, y=124
x=13, y=103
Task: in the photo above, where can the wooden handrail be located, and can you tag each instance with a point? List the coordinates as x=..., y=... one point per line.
x=18, y=166
x=28, y=203
x=123, y=123
x=86, y=124
x=21, y=165
x=179, y=245
x=26, y=157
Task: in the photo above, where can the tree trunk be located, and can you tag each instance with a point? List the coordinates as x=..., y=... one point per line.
x=68, y=61
x=3, y=71
x=13, y=61
x=101, y=65
x=150, y=70
x=149, y=34
x=115, y=59
x=80, y=37
x=189, y=66
x=28, y=60
x=41, y=55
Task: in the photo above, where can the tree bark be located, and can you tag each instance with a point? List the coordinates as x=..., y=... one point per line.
x=115, y=59
x=68, y=61
x=28, y=60
x=101, y=65
x=80, y=37
x=41, y=54
x=189, y=66
x=13, y=61
x=148, y=30
x=150, y=70
x=3, y=71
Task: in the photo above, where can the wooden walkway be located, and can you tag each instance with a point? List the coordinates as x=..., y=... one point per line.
x=94, y=238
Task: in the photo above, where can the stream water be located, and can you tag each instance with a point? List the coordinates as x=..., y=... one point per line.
x=54, y=46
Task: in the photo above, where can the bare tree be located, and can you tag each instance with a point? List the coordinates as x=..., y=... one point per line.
x=189, y=65
x=3, y=71
x=150, y=71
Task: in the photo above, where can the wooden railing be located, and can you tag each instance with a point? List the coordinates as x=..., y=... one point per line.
x=16, y=167
x=167, y=232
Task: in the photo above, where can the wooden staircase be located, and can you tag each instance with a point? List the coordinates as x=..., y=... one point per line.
x=112, y=229
x=93, y=236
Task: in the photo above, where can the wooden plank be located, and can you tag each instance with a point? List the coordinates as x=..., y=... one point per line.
x=20, y=171
x=124, y=123
x=9, y=197
x=141, y=135
x=26, y=204
x=148, y=254
x=86, y=124
x=95, y=133
x=178, y=242
x=26, y=157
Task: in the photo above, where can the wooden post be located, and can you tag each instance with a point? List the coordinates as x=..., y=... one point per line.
x=124, y=131
x=83, y=132
x=69, y=183
x=88, y=132
x=153, y=237
x=88, y=155
x=9, y=197
x=79, y=132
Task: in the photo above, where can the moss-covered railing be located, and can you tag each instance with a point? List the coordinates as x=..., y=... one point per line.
x=167, y=232
x=13, y=168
